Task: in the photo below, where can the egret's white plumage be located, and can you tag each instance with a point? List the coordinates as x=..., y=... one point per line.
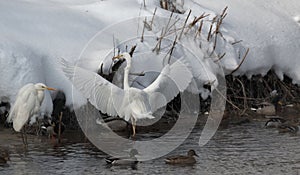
x=130, y=102
x=27, y=104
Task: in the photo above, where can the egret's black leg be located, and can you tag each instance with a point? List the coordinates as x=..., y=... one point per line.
x=24, y=136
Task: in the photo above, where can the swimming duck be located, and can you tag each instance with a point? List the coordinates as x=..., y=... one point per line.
x=4, y=157
x=188, y=159
x=292, y=127
x=274, y=122
x=131, y=160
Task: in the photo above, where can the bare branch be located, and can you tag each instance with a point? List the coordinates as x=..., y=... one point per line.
x=199, y=29
x=143, y=31
x=172, y=48
x=198, y=19
x=185, y=24
x=151, y=23
x=236, y=42
x=220, y=57
x=241, y=61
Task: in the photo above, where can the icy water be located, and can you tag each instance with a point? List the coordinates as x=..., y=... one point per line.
x=245, y=149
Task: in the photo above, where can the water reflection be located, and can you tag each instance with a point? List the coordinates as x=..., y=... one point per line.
x=246, y=149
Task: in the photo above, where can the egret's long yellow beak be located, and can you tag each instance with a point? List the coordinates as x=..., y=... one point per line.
x=51, y=89
x=117, y=57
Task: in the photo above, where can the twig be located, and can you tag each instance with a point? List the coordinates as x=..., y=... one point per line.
x=209, y=32
x=286, y=89
x=151, y=23
x=59, y=127
x=198, y=19
x=143, y=31
x=222, y=56
x=158, y=44
x=248, y=98
x=169, y=20
x=223, y=14
x=236, y=42
x=185, y=24
x=163, y=33
x=241, y=61
x=114, y=45
x=193, y=23
x=216, y=32
x=172, y=31
x=215, y=44
x=199, y=29
x=244, y=93
x=227, y=99
x=172, y=48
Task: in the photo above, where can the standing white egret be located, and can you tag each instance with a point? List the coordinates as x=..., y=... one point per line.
x=130, y=103
x=27, y=104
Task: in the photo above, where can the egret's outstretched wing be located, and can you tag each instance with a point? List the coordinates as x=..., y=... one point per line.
x=104, y=95
x=173, y=79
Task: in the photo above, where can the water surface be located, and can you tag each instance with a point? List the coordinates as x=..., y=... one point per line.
x=246, y=149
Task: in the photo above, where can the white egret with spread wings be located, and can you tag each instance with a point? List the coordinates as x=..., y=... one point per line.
x=130, y=103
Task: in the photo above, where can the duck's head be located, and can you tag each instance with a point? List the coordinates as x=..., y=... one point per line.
x=133, y=153
x=192, y=153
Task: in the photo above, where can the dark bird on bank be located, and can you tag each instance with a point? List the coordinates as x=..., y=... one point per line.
x=181, y=159
x=51, y=128
x=273, y=108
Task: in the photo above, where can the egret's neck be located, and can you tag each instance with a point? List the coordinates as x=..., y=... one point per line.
x=40, y=96
x=126, y=74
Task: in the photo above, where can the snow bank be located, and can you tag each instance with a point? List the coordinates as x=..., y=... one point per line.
x=268, y=28
x=33, y=34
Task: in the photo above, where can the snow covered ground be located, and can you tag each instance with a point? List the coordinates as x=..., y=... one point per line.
x=34, y=34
